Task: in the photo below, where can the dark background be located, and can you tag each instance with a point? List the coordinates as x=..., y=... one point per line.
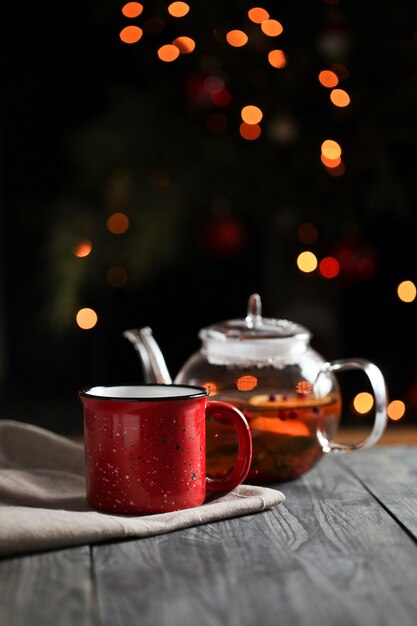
x=90, y=126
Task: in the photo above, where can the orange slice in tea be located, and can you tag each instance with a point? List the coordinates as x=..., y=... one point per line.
x=275, y=425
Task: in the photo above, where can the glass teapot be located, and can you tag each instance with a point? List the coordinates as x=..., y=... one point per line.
x=287, y=391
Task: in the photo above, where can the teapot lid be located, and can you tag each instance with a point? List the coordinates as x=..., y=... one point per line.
x=254, y=336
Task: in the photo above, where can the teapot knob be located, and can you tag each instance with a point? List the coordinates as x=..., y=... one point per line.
x=254, y=313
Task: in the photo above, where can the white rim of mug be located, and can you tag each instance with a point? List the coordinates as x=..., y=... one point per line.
x=200, y=392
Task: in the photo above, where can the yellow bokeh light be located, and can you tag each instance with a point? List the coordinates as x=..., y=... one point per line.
x=212, y=387
x=251, y=114
x=178, y=9
x=118, y=223
x=86, y=318
x=277, y=58
x=396, y=410
x=257, y=15
x=406, y=291
x=272, y=28
x=307, y=261
x=132, y=9
x=184, y=44
x=246, y=383
x=168, y=53
x=249, y=131
x=331, y=149
x=328, y=78
x=363, y=402
x=340, y=97
x=236, y=38
x=83, y=248
x=131, y=34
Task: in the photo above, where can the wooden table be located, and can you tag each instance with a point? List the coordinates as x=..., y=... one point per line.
x=340, y=551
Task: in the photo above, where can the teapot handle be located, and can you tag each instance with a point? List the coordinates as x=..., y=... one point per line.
x=380, y=397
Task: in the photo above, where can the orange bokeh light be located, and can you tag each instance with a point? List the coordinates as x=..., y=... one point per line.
x=83, y=248
x=329, y=267
x=178, y=9
x=184, y=44
x=272, y=28
x=246, y=383
x=330, y=162
x=257, y=15
x=118, y=223
x=168, y=53
x=396, y=410
x=132, y=9
x=249, y=131
x=340, y=97
x=251, y=114
x=131, y=34
x=212, y=387
x=328, y=78
x=236, y=38
x=277, y=58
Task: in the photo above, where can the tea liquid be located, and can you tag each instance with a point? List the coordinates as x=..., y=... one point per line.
x=285, y=443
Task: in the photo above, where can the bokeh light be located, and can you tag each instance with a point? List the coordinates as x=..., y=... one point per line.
x=406, y=291
x=307, y=261
x=246, y=383
x=83, y=248
x=249, y=131
x=86, y=318
x=340, y=97
x=363, y=402
x=184, y=44
x=330, y=162
x=117, y=277
x=236, y=38
x=168, y=53
x=396, y=410
x=329, y=267
x=251, y=114
x=277, y=58
x=130, y=34
x=212, y=387
x=178, y=9
x=331, y=149
x=328, y=78
x=272, y=28
x=257, y=15
x=118, y=223
x=307, y=232
x=132, y=9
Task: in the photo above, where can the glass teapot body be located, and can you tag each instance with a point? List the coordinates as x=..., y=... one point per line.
x=284, y=390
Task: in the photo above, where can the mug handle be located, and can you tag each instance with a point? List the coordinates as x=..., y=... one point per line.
x=238, y=474
x=381, y=400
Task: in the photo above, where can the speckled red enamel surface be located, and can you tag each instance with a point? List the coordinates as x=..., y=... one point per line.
x=146, y=457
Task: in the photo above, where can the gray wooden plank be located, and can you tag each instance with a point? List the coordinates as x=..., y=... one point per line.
x=390, y=474
x=47, y=588
x=329, y=555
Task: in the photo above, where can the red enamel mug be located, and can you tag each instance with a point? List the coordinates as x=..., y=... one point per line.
x=145, y=447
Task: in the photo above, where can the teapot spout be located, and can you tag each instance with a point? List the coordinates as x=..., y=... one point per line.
x=153, y=362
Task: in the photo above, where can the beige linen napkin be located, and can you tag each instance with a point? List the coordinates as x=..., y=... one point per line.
x=43, y=504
